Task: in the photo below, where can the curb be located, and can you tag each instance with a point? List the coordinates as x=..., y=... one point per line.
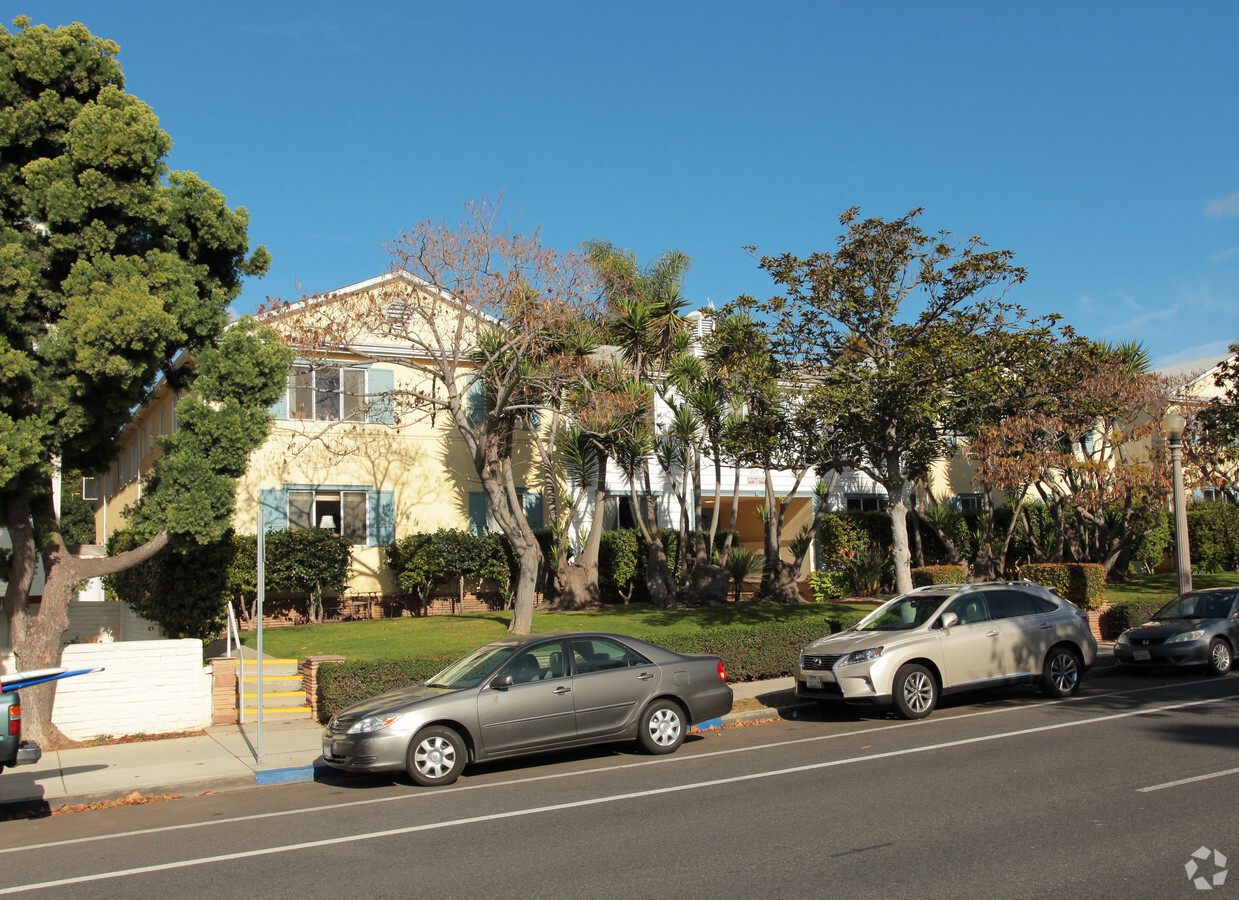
x=295, y=774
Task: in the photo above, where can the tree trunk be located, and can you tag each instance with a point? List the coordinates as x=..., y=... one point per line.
x=899, y=537
x=577, y=585
x=778, y=582
x=526, y=589
x=707, y=584
x=36, y=638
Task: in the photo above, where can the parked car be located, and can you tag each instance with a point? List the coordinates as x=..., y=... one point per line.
x=13, y=750
x=1200, y=628
x=942, y=639
x=528, y=694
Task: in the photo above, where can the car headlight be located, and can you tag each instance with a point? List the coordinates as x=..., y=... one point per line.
x=1186, y=636
x=1122, y=639
x=860, y=656
x=373, y=723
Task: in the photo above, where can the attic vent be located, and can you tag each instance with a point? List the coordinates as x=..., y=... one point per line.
x=703, y=326
x=397, y=313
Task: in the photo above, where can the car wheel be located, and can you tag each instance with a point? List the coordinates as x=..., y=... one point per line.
x=1060, y=676
x=662, y=727
x=436, y=756
x=1219, y=657
x=915, y=691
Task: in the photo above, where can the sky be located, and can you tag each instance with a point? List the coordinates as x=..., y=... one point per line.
x=1098, y=141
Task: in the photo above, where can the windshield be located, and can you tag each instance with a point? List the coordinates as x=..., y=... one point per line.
x=473, y=668
x=902, y=613
x=1205, y=605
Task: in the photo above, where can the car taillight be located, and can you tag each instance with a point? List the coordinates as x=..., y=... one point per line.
x=722, y=673
x=15, y=720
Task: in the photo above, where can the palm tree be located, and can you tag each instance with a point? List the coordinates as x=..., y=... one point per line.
x=741, y=563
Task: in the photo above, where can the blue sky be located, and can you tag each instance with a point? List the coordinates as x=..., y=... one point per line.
x=1098, y=141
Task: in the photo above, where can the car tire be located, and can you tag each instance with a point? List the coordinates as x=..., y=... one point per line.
x=1060, y=676
x=663, y=727
x=915, y=691
x=1220, y=658
x=436, y=756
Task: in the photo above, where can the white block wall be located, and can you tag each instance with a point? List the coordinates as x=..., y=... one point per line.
x=148, y=687
x=113, y=621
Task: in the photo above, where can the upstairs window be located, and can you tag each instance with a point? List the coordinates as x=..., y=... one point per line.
x=866, y=502
x=337, y=393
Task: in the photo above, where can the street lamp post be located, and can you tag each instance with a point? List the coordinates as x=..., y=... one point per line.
x=1174, y=424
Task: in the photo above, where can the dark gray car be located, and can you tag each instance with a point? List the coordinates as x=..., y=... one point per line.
x=1196, y=629
x=527, y=694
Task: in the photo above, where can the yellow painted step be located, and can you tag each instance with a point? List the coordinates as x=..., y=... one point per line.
x=275, y=694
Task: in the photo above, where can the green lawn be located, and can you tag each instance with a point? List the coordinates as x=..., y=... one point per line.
x=1165, y=586
x=447, y=635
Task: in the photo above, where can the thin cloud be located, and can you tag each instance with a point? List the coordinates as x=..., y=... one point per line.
x=1227, y=206
x=1141, y=321
x=1192, y=354
x=1223, y=255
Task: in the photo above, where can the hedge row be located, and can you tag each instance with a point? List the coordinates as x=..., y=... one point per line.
x=1084, y=584
x=927, y=575
x=1127, y=614
x=749, y=653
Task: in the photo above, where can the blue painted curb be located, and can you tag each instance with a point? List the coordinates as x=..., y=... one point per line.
x=291, y=775
x=709, y=723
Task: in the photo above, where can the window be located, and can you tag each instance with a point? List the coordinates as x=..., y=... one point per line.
x=363, y=515
x=618, y=512
x=866, y=502
x=970, y=609
x=600, y=654
x=1010, y=604
x=343, y=512
x=970, y=502
x=482, y=521
x=335, y=393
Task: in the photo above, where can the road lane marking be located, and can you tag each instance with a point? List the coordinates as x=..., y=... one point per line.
x=423, y=794
x=595, y=801
x=1182, y=781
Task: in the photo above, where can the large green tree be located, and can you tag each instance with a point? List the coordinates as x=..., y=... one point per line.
x=110, y=265
x=900, y=334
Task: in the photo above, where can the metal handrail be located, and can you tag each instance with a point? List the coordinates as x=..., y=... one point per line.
x=235, y=633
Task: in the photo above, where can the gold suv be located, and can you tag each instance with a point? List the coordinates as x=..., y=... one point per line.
x=943, y=639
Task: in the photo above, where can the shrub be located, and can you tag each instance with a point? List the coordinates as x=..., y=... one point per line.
x=926, y=575
x=421, y=561
x=1084, y=584
x=340, y=685
x=617, y=561
x=1127, y=614
x=865, y=572
x=1213, y=536
x=827, y=586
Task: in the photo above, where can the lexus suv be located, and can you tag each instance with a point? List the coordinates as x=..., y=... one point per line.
x=943, y=639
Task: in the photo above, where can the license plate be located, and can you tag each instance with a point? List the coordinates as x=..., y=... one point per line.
x=813, y=681
x=1141, y=655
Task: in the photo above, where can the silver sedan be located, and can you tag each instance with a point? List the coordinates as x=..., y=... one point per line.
x=528, y=694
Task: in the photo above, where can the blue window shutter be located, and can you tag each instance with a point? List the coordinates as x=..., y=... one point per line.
x=279, y=408
x=535, y=419
x=382, y=410
x=274, y=506
x=478, y=510
x=532, y=501
x=475, y=399
x=382, y=518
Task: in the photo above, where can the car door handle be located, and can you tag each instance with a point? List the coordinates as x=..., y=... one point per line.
x=561, y=690
x=991, y=634
x=645, y=676
x=1045, y=626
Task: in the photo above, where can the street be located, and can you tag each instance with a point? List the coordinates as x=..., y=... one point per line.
x=1004, y=794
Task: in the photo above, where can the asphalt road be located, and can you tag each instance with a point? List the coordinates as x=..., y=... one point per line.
x=1009, y=795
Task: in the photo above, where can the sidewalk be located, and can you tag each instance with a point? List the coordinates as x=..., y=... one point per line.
x=225, y=757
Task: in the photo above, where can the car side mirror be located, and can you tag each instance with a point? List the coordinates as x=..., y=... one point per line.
x=949, y=619
x=502, y=681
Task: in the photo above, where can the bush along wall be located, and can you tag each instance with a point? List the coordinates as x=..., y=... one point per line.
x=1127, y=614
x=1084, y=584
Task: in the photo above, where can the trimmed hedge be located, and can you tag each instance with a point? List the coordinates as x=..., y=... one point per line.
x=927, y=575
x=340, y=685
x=1084, y=584
x=1127, y=614
x=749, y=653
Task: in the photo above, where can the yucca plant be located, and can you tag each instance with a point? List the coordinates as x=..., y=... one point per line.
x=741, y=563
